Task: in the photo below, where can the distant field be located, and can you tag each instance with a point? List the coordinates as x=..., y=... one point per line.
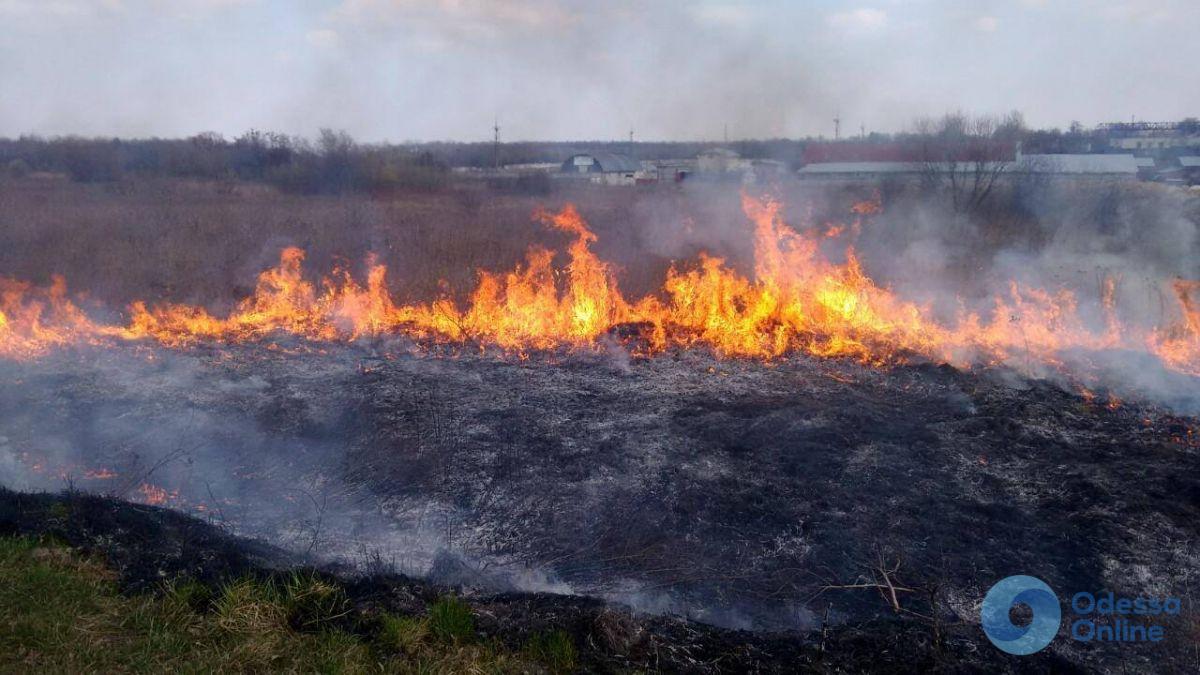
x=205, y=242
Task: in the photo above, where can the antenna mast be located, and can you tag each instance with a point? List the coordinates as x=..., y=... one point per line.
x=496, y=143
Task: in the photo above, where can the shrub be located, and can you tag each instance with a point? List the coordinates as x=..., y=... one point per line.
x=17, y=168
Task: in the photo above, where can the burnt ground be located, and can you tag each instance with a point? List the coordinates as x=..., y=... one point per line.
x=147, y=545
x=730, y=493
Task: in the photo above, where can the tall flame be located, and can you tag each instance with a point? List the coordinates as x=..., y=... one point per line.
x=1179, y=345
x=799, y=300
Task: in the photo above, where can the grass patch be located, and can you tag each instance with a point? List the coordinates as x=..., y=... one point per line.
x=554, y=649
x=403, y=634
x=62, y=613
x=450, y=619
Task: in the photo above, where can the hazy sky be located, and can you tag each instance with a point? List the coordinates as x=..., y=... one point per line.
x=441, y=69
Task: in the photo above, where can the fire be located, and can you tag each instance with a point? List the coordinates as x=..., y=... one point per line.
x=154, y=495
x=1179, y=345
x=34, y=319
x=525, y=308
x=798, y=300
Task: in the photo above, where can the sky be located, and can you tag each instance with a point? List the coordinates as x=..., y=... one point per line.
x=420, y=70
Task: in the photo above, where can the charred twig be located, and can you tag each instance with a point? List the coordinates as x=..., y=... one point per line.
x=882, y=580
x=216, y=504
x=320, y=507
x=144, y=477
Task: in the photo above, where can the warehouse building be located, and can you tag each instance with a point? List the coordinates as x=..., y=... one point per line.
x=608, y=168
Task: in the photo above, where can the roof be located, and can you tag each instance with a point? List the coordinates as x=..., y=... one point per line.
x=610, y=162
x=861, y=167
x=1062, y=164
x=1145, y=162
x=1189, y=161
x=906, y=151
x=1080, y=164
x=891, y=167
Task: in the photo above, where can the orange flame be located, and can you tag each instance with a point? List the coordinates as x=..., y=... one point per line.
x=799, y=300
x=1179, y=345
x=154, y=495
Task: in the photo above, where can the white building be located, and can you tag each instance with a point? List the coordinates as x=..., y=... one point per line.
x=1110, y=167
x=720, y=160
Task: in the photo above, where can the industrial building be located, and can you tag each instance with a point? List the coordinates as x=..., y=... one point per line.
x=1141, y=137
x=1103, y=167
x=607, y=168
x=720, y=160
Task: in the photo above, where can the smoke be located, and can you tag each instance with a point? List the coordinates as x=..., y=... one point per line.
x=1115, y=247
x=261, y=453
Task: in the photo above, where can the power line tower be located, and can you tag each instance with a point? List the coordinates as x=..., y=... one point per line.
x=496, y=143
x=631, y=142
x=837, y=126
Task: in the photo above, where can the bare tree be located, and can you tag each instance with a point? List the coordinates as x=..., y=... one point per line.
x=966, y=155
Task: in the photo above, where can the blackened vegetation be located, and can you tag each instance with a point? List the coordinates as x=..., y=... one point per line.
x=851, y=517
x=149, y=547
x=144, y=545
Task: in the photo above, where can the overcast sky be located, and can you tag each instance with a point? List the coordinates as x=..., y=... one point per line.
x=441, y=69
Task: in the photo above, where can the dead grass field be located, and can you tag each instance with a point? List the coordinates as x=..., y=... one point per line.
x=198, y=242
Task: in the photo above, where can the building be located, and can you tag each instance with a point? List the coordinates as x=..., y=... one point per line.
x=1112, y=167
x=720, y=160
x=907, y=151
x=1147, y=168
x=1190, y=165
x=1152, y=137
x=1103, y=167
x=606, y=168
x=673, y=170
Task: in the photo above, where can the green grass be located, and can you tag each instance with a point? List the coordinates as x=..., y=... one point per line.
x=62, y=613
x=555, y=649
x=451, y=620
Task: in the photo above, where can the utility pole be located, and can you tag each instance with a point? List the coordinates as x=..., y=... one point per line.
x=862, y=131
x=496, y=143
x=631, y=142
x=837, y=126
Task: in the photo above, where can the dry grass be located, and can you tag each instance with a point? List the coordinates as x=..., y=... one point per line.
x=188, y=241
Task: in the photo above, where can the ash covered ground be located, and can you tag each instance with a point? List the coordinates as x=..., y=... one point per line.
x=736, y=493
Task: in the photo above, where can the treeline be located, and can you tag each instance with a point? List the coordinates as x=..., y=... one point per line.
x=333, y=163
x=486, y=154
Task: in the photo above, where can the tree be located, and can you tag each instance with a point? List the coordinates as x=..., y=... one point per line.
x=965, y=155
